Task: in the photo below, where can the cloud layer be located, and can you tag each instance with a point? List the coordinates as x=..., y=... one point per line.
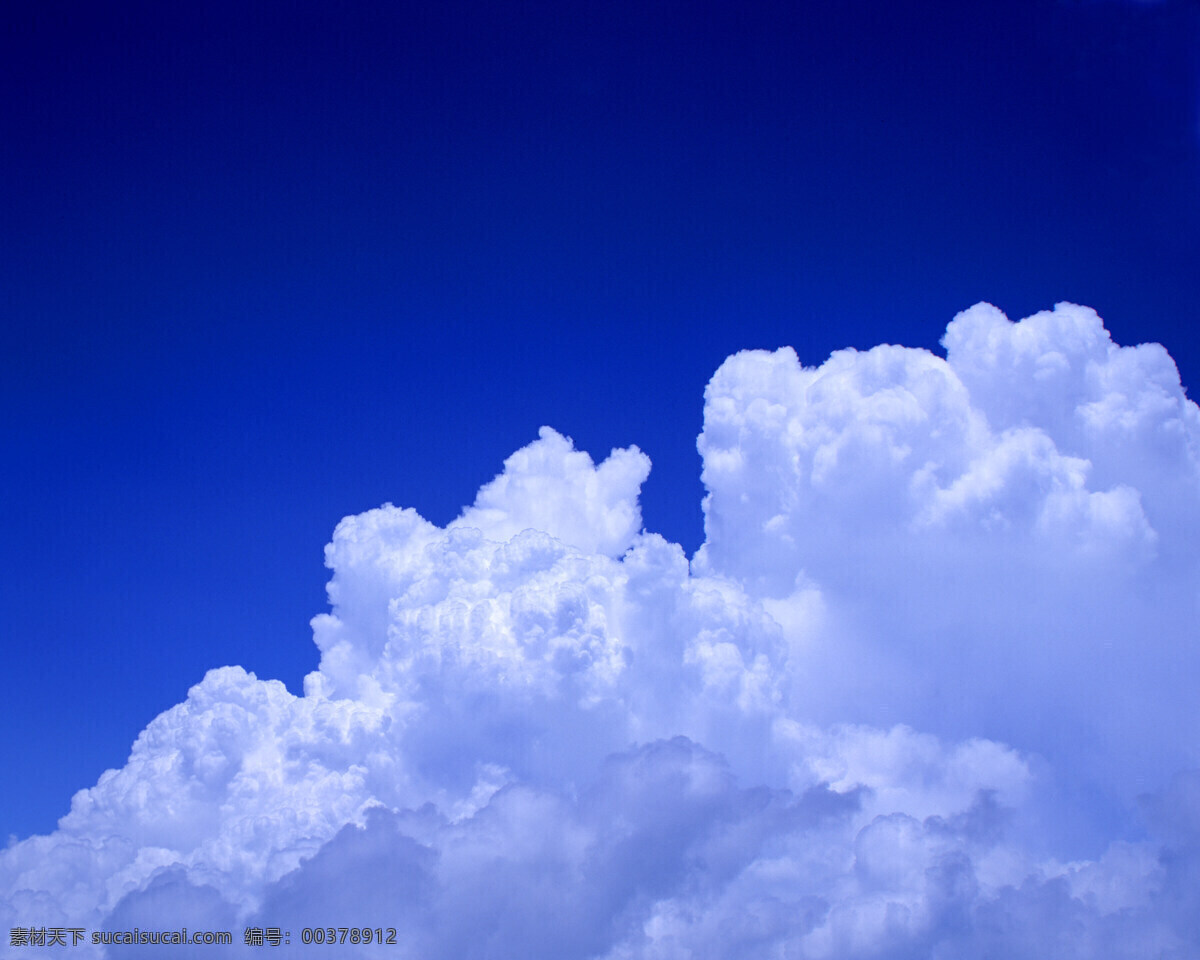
x=925, y=691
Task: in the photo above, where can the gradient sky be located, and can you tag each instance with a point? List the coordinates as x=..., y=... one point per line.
x=265, y=267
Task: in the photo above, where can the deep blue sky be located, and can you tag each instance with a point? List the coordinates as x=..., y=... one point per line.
x=266, y=265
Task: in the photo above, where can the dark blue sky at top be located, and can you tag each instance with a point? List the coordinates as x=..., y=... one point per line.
x=267, y=265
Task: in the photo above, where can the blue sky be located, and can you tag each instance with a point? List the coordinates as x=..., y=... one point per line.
x=267, y=268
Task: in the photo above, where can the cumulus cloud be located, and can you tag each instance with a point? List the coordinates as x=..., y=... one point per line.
x=923, y=692
x=1004, y=538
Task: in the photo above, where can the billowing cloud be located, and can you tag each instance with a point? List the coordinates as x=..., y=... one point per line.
x=1004, y=539
x=925, y=691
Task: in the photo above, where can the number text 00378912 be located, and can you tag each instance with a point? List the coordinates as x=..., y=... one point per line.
x=348, y=935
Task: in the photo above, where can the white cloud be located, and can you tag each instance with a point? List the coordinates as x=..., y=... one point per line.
x=1003, y=540
x=944, y=609
x=551, y=487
